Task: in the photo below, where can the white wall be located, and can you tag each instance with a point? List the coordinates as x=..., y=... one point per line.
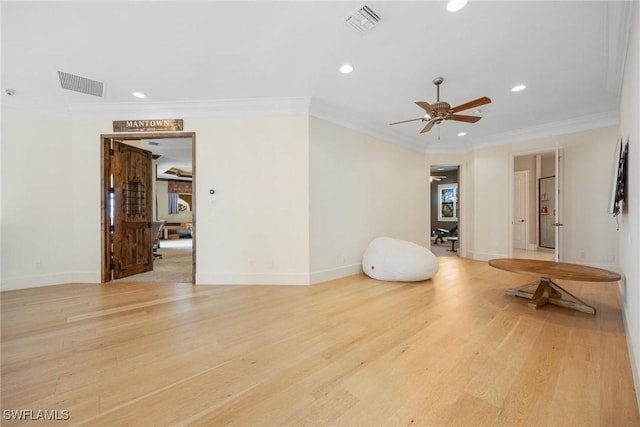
x=490, y=188
x=37, y=200
x=360, y=188
x=629, y=235
x=587, y=171
x=272, y=177
x=86, y=182
x=255, y=229
x=589, y=230
x=547, y=165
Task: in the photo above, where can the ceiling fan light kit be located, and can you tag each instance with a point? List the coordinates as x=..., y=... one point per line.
x=439, y=111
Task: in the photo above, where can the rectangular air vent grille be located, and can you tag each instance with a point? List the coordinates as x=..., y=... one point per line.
x=363, y=19
x=80, y=84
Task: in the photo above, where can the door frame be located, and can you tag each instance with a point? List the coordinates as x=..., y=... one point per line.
x=559, y=190
x=462, y=208
x=556, y=150
x=526, y=196
x=105, y=174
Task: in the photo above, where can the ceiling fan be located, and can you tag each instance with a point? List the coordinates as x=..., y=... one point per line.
x=440, y=110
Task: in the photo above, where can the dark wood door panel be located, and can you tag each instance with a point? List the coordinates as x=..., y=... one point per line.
x=132, y=184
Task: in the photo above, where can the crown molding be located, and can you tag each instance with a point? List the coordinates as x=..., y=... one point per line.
x=249, y=107
x=340, y=117
x=576, y=124
x=252, y=107
x=617, y=31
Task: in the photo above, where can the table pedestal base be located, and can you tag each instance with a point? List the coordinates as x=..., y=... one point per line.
x=549, y=292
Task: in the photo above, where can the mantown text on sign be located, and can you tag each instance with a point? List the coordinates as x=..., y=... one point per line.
x=146, y=125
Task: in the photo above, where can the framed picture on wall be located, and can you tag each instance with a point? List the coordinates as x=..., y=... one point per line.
x=448, y=202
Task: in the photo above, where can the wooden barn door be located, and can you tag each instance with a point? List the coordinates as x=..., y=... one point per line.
x=130, y=212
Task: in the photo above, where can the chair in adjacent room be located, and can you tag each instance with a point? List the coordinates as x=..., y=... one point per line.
x=156, y=233
x=441, y=233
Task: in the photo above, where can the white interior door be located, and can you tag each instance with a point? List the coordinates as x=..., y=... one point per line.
x=547, y=214
x=558, y=211
x=520, y=209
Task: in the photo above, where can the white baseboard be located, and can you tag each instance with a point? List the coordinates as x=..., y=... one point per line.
x=26, y=282
x=201, y=278
x=86, y=277
x=251, y=279
x=593, y=264
x=277, y=279
x=632, y=355
x=335, y=273
x=485, y=256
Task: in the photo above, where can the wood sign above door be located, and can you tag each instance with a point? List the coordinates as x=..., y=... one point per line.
x=147, y=125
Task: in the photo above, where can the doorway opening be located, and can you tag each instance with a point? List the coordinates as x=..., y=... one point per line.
x=444, y=182
x=161, y=254
x=534, y=206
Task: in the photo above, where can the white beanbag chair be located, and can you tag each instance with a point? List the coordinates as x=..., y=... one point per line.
x=396, y=260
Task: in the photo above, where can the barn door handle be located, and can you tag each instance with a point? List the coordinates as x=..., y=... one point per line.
x=148, y=225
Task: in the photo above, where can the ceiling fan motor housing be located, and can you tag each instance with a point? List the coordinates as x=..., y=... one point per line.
x=440, y=109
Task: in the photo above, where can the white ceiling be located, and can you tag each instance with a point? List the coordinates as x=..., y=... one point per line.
x=569, y=54
x=173, y=153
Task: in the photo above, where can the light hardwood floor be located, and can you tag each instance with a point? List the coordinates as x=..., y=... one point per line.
x=451, y=351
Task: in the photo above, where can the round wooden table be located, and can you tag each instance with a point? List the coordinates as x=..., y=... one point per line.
x=547, y=291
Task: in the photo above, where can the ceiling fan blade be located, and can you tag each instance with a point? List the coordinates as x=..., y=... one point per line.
x=462, y=118
x=428, y=127
x=406, y=121
x=471, y=104
x=425, y=106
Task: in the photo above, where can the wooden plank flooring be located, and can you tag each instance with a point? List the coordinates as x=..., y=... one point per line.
x=356, y=352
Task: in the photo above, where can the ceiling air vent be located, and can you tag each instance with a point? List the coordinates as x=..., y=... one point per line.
x=363, y=19
x=80, y=84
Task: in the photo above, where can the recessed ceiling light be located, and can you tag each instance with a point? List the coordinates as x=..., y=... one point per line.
x=346, y=69
x=462, y=134
x=456, y=5
x=139, y=95
x=518, y=88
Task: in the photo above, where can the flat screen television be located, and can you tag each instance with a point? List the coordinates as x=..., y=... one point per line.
x=619, y=187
